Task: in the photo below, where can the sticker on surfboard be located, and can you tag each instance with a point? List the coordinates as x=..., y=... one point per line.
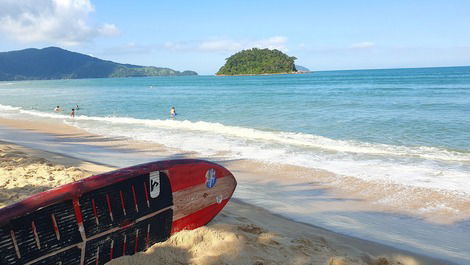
x=154, y=180
x=210, y=178
x=218, y=199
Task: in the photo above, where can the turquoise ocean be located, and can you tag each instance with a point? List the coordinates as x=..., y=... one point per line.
x=410, y=126
x=404, y=126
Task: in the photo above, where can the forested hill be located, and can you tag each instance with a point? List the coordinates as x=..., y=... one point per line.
x=258, y=61
x=57, y=63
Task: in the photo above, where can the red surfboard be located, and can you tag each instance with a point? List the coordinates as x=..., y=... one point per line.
x=103, y=217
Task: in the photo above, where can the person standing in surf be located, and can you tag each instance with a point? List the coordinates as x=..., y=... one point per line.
x=172, y=112
x=72, y=114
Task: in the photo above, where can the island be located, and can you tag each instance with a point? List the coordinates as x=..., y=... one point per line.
x=57, y=63
x=258, y=62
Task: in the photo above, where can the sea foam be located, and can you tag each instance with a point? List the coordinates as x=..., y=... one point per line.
x=420, y=166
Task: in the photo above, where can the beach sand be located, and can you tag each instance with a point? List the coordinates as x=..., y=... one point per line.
x=240, y=234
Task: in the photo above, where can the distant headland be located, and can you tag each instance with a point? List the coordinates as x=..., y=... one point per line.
x=57, y=63
x=260, y=62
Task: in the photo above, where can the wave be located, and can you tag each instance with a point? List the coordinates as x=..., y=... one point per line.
x=44, y=114
x=7, y=107
x=303, y=140
x=423, y=166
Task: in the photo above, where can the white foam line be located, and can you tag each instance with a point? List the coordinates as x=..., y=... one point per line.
x=302, y=140
x=424, y=166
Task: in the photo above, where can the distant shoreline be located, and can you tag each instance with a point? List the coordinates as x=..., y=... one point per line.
x=284, y=73
x=56, y=63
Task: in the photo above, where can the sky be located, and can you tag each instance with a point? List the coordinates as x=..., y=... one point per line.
x=200, y=35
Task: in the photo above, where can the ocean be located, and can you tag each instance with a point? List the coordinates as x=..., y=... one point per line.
x=408, y=127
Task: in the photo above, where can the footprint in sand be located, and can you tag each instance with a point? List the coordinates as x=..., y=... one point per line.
x=251, y=228
x=267, y=239
x=302, y=241
x=242, y=219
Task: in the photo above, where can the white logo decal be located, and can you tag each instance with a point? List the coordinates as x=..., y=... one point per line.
x=218, y=199
x=154, y=181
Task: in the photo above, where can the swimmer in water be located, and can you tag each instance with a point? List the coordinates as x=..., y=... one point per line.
x=172, y=112
x=57, y=109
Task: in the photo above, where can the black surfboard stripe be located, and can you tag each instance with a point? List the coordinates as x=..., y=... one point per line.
x=35, y=233
x=69, y=257
x=160, y=230
x=25, y=238
x=165, y=199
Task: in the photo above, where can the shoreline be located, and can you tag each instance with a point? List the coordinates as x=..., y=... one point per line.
x=267, y=236
x=257, y=175
x=373, y=196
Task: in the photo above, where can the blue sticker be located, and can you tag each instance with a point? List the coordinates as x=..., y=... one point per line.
x=210, y=178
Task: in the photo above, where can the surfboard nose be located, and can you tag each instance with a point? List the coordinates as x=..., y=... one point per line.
x=200, y=191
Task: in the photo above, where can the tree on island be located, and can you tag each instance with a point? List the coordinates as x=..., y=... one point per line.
x=258, y=61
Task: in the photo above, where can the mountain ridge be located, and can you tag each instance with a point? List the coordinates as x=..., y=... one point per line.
x=57, y=63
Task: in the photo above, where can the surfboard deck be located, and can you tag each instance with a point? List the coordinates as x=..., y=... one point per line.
x=122, y=212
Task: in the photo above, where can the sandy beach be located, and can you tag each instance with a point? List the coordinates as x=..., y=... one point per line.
x=240, y=234
x=320, y=132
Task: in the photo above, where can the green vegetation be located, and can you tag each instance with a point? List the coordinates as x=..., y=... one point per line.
x=135, y=71
x=258, y=61
x=57, y=63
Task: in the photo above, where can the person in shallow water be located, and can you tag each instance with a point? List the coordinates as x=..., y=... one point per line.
x=172, y=112
x=57, y=109
x=72, y=114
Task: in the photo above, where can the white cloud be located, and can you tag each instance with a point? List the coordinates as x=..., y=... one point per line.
x=363, y=45
x=227, y=45
x=108, y=30
x=129, y=48
x=55, y=21
x=276, y=42
x=176, y=46
x=219, y=45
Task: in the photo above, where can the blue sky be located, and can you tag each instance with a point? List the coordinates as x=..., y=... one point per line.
x=199, y=35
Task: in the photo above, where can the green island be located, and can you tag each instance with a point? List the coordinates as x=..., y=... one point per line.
x=258, y=62
x=57, y=63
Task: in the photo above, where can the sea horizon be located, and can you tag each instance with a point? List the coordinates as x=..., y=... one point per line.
x=205, y=74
